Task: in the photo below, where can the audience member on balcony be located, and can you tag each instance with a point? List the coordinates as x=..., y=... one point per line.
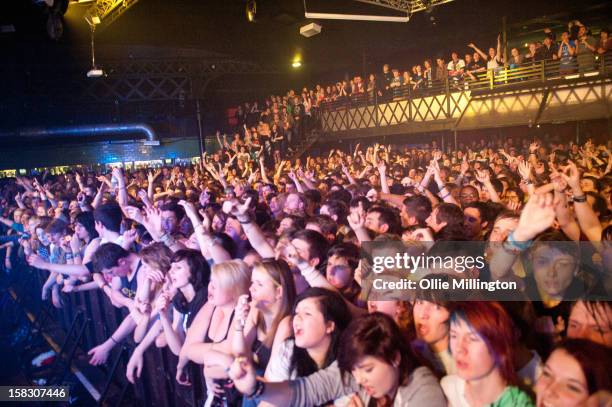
x=396, y=84
x=329, y=94
x=495, y=58
x=605, y=42
x=406, y=80
x=342, y=91
x=427, y=72
x=440, y=73
x=373, y=89
x=566, y=53
x=387, y=76
x=475, y=66
x=549, y=49
x=586, y=46
x=532, y=55
x=455, y=67
x=417, y=77
x=516, y=59
x=358, y=85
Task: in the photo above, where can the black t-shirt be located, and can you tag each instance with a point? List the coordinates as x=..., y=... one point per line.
x=190, y=309
x=546, y=53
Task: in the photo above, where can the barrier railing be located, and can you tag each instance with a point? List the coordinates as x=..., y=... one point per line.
x=106, y=384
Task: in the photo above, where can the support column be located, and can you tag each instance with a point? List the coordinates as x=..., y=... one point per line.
x=199, y=117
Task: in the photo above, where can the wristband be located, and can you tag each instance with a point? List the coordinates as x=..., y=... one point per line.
x=245, y=220
x=521, y=246
x=580, y=198
x=113, y=339
x=260, y=387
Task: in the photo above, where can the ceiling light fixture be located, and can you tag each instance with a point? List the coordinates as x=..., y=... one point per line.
x=251, y=10
x=94, y=72
x=357, y=17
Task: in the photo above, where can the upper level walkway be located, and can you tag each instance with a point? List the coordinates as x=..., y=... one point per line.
x=542, y=92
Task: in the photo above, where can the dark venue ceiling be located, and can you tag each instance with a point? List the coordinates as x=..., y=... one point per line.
x=152, y=27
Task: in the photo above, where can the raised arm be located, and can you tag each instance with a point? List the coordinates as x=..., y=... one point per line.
x=208, y=245
x=587, y=219
x=475, y=48
x=537, y=216
x=251, y=229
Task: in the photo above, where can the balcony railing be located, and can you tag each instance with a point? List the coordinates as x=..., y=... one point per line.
x=505, y=78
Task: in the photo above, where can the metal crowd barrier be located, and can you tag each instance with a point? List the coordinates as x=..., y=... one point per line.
x=86, y=320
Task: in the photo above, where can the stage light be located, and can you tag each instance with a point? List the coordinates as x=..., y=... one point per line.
x=95, y=71
x=309, y=30
x=251, y=10
x=296, y=64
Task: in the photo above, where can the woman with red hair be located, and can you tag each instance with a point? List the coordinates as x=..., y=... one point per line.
x=481, y=341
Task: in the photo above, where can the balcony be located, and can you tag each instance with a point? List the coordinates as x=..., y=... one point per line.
x=542, y=92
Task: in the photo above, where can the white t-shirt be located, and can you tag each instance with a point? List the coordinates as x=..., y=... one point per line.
x=492, y=64
x=278, y=368
x=452, y=66
x=454, y=390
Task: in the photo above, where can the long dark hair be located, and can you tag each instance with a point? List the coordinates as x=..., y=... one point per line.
x=86, y=219
x=334, y=309
x=200, y=272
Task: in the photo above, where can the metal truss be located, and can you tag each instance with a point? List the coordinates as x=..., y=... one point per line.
x=408, y=6
x=162, y=79
x=107, y=11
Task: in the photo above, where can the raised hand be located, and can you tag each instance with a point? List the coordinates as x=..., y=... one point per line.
x=152, y=222
x=483, y=176
x=533, y=147
x=357, y=218
x=537, y=216
x=205, y=220
x=513, y=206
x=524, y=169
x=134, y=214
x=572, y=176
x=118, y=175
x=190, y=210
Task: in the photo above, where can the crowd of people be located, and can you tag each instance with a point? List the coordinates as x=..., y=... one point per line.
x=575, y=50
x=250, y=267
